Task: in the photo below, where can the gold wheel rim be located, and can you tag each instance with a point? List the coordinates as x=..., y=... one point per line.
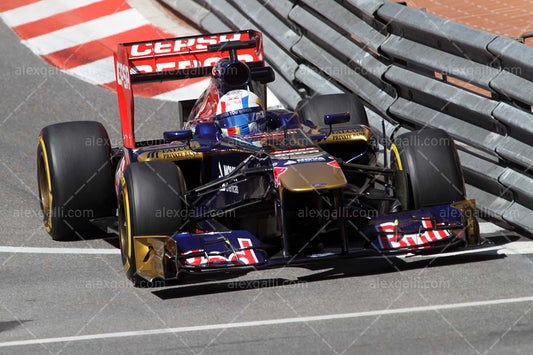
x=44, y=190
x=122, y=229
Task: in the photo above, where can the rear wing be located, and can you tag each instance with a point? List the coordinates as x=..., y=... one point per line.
x=173, y=59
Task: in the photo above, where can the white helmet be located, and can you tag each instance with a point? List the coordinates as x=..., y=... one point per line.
x=238, y=112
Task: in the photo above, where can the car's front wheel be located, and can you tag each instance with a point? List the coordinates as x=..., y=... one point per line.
x=428, y=169
x=151, y=202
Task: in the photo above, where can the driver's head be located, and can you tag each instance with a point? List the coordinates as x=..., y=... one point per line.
x=239, y=113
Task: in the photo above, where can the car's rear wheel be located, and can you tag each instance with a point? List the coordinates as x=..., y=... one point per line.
x=75, y=178
x=151, y=202
x=428, y=169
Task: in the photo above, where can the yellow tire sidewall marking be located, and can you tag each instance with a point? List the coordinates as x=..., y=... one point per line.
x=49, y=180
x=128, y=221
x=394, y=149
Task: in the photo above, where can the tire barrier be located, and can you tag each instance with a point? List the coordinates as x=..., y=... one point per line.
x=411, y=68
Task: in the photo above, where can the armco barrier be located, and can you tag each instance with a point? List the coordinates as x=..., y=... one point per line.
x=411, y=68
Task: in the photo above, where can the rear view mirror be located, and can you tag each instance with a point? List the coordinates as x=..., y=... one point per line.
x=263, y=75
x=183, y=135
x=231, y=45
x=336, y=118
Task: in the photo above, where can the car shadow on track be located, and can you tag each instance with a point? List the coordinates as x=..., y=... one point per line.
x=326, y=270
x=12, y=324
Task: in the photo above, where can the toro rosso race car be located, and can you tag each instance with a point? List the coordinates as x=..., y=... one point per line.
x=242, y=187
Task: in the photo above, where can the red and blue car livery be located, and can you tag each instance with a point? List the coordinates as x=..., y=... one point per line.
x=314, y=185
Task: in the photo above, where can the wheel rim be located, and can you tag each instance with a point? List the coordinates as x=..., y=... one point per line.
x=400, y=179
x=122, y=229
x=44, y=190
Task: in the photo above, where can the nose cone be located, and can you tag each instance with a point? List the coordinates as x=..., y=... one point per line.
x=310, y=176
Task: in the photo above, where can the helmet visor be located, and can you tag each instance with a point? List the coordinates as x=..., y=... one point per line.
x=239, y=122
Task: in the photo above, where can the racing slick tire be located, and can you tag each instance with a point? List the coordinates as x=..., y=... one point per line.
x=314, y=108
x=428, y=169
x=75, y=178
x=151, y=202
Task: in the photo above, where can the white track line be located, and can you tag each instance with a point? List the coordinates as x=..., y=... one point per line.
x=98, y=72
x=32, y=250
x=490, y=228
x=517, y=248
x=514, y=248
x=40, y=10
x=266, y=322
x=86, y=32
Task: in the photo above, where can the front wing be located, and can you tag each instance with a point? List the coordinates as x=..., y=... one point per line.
x=427, y=229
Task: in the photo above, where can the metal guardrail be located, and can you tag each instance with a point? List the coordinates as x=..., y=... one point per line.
x=412, y=68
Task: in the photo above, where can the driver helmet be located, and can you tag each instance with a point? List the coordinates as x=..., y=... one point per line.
x=239, y=112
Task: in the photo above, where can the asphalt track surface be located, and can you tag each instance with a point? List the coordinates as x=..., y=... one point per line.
x=75, y=299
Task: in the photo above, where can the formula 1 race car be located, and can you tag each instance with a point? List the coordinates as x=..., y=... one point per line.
x=243, y=187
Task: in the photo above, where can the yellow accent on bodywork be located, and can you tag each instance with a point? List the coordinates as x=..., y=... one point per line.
x=469, y=217
x=312, y=176
x=170, y=154
x=152, y=249
x=394, y=149
x=48, y=226
x=345, y=135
